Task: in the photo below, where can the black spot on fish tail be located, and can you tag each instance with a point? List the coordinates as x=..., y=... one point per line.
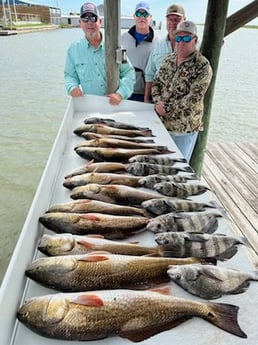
x=224, y=316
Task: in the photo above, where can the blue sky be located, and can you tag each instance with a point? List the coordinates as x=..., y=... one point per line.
x=195, y=9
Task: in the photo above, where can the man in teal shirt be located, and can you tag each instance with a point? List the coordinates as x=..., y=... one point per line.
x=84, y=71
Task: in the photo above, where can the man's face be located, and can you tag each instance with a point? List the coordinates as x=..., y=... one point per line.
x=172, y=21
x=185, y=43
x=142, y=20
x=90, y=24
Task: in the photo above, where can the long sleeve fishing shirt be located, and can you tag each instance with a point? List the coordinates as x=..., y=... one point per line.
x=85, y=66
x=160, y=50
x=182, y=89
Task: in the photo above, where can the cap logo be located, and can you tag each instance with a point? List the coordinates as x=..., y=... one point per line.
x=88, y=7
x=187, y=25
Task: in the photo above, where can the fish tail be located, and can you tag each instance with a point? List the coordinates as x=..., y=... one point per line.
x=224, y=316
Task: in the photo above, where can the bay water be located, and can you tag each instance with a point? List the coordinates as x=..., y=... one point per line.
x=33, y=101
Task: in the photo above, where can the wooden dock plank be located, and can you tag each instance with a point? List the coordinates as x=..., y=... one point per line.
x=230, y=170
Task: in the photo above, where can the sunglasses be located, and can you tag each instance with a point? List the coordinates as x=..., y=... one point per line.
x=142, y=14
x=91, y=18
x=185, y=39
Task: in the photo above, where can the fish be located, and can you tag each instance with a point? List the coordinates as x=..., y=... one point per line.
x=112, y=123
x=151, y=180
x=144, y=169
x=109, y=142
x=90, y=205
x=68, y=244
x=104, y=129
x=211, y=282
x=218, y=246
x=111, y=226
x=97, y=271
x=101, y=178
x=99, y=167
x=168, y=204
x=113, y=193
x=180, y=190
x=163, y=160
x=90, y=135
x=112, y=153
x=132, y=314
x=202, y=223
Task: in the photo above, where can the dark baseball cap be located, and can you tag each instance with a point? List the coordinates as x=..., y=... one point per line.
x=89, y=7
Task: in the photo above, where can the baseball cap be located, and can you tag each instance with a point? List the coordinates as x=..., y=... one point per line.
x=142, y=6
x=187, y=26
x=89, y=7
x=176, y=9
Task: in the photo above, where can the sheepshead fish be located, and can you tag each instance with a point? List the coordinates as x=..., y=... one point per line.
x=90, y=205
x=203, y=223
x=104, y=129
x=163, y=160
x=101, y=178
x=180, y=190
x=89, y=136
x=113, y=153
x=166, y=205
x=98, y=271
x=110, y=226
x=113, y=193
x=68, y=244
x=218, y=246
x=144, y=169
x=150, y=181
x=112, y=123
x=134, y=315
x=99, y=167
x=211, y=282
x=109, y=142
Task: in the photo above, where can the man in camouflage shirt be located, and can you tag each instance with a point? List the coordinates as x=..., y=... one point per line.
x=179, y=88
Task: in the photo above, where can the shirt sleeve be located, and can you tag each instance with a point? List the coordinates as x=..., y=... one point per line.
x=126, y=80
x=70, y=75
x=150, y=69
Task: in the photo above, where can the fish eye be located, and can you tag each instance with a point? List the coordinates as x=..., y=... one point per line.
x=178, y=276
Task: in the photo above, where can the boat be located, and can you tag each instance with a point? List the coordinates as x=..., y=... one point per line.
x=16, y=287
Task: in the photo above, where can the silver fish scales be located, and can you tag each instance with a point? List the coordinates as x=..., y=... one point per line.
x=143, y=169
x=153, y=159
x=203, y=223
x=166, y=205
x=150, y=181
x=210, y=282
x=112, y=123
x=218, y=246
x=180, y=190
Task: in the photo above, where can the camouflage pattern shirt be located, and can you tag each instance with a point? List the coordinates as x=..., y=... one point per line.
x=182, y=89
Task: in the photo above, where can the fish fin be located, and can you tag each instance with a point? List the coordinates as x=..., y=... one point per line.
x=89, y=163
x=165, y=290
x=206, y=273
x=227, y=254
x=95, y=236
x=85, y=244
x=147, y=332
x=94, y=257
x=88, y=300
x=90, y=216
x=224, y=316
x=195, y=237
x=208, y=261
x=136, y=242
x=241, y=288
x=187, y=169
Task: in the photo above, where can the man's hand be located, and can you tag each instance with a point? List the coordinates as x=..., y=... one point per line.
x=114, y=98
x=159, y=108
x=76, y=92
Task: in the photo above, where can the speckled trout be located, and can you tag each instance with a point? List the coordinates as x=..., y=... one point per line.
x=134, y=315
